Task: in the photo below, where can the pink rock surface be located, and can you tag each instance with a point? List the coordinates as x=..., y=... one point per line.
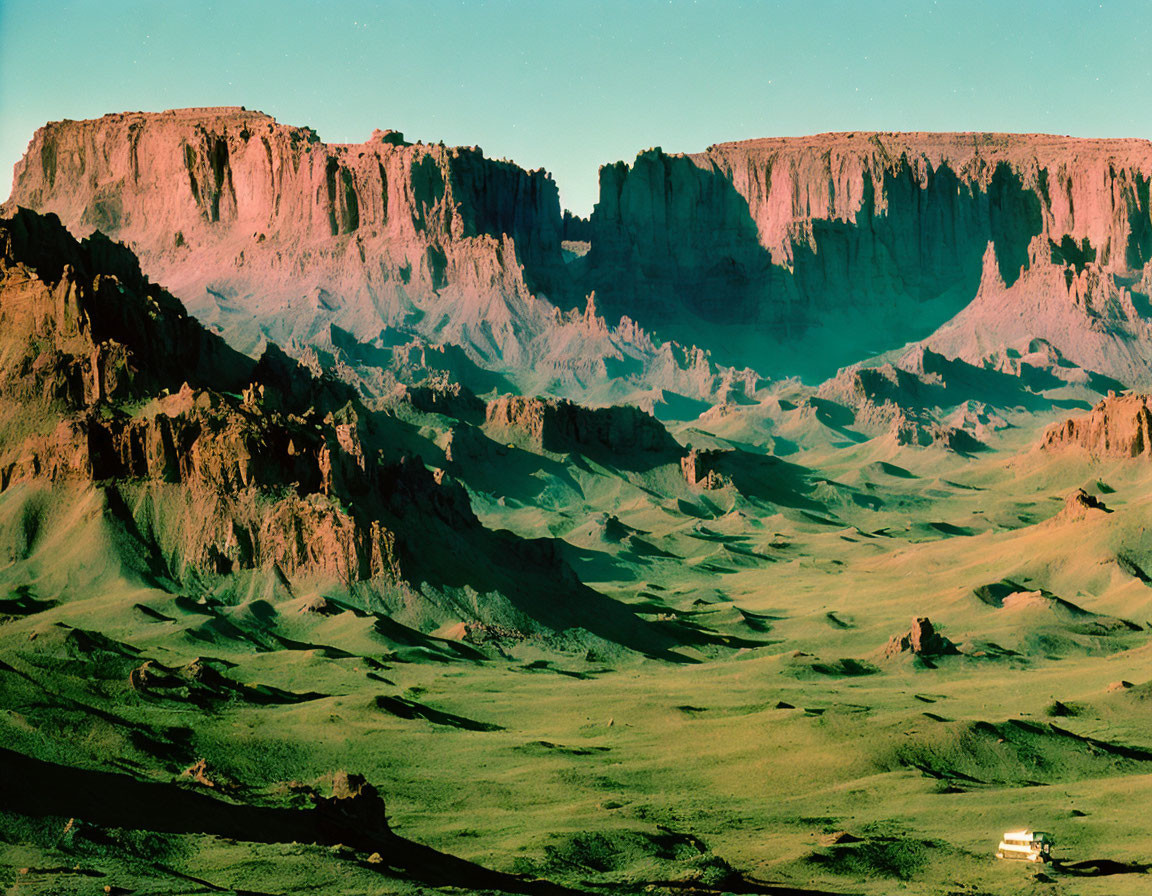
x=228, y=206
x=878, y=239
x=1119, y=426
x=863, y=241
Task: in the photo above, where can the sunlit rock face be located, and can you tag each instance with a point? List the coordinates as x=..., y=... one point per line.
x=1119, y=426
x=238, y=213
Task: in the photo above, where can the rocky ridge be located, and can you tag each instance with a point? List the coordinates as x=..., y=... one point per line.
x=288, y=476
x=755, y=250
x=554, y=425
x=1118, y=426
x=267, y=233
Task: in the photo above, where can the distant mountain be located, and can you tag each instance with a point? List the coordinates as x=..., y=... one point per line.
x=840, y=246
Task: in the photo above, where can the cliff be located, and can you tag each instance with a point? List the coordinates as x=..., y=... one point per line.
x=79, y=323
x=872, y=239
x=789, y=255
x=236, y=212
x=266, y=233
x=622, y=434
x=1119, y=426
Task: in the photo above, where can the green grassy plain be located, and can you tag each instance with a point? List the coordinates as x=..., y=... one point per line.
x=770, y=743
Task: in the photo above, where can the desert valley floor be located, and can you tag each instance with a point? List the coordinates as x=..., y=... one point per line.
x=768, y=731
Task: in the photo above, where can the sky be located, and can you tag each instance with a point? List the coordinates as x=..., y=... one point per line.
x=569, y=86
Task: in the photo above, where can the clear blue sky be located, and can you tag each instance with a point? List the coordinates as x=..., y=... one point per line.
x=569, y=86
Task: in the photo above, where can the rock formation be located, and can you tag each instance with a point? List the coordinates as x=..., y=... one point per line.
x=266, y=233
x=237, y=465
x=1119, y=426
x=921, y=640
x=556, y=425
x=1080, y=505
x=190, y=184
x=700, y=467
x=243, y=218
x=906, y=398
x=892, y=232
x=863, y=241
x=447, y=398
x=68, y=332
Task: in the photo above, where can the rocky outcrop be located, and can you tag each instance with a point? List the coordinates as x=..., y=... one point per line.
x=1080, y=505
x=921, y=640
x=239, y=465
x=1119, y=426
x=447, y=398
x=700, y=467
x=905, y=400
x=914, y=430
x=380, y=254
x=268, y=477
x=80, y=324
x=84, y=335
x=557, y=425
x=792, y=233
x=231, y=466
x=355, y=808
x=173, y=183
x=1094, y=315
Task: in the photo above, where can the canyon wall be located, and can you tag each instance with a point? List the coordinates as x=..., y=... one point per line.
x=791, y=255
x=237, y=213
x=890, y=230
x=204, y=458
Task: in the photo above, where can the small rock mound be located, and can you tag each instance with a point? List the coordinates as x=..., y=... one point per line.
x=921, y=640
x=320, y=606
x=1080, y=505
x=839, y=837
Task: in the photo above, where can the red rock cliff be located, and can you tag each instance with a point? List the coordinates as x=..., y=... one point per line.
x=228, y=206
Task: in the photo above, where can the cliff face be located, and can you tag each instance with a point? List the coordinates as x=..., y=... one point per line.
x=1119, y=426
x=762, y=251
x=885, y=229
x=79, y=323
x=228, y=207
x=622, y=433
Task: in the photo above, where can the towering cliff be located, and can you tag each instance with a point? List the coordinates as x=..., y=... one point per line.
x=266, y=233
x=242, y=216
x=872, y=239
x=791, y=255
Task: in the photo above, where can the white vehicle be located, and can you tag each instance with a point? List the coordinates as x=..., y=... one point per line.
x=1027, y=846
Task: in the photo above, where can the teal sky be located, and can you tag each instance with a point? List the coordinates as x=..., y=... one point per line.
x=569, y=86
